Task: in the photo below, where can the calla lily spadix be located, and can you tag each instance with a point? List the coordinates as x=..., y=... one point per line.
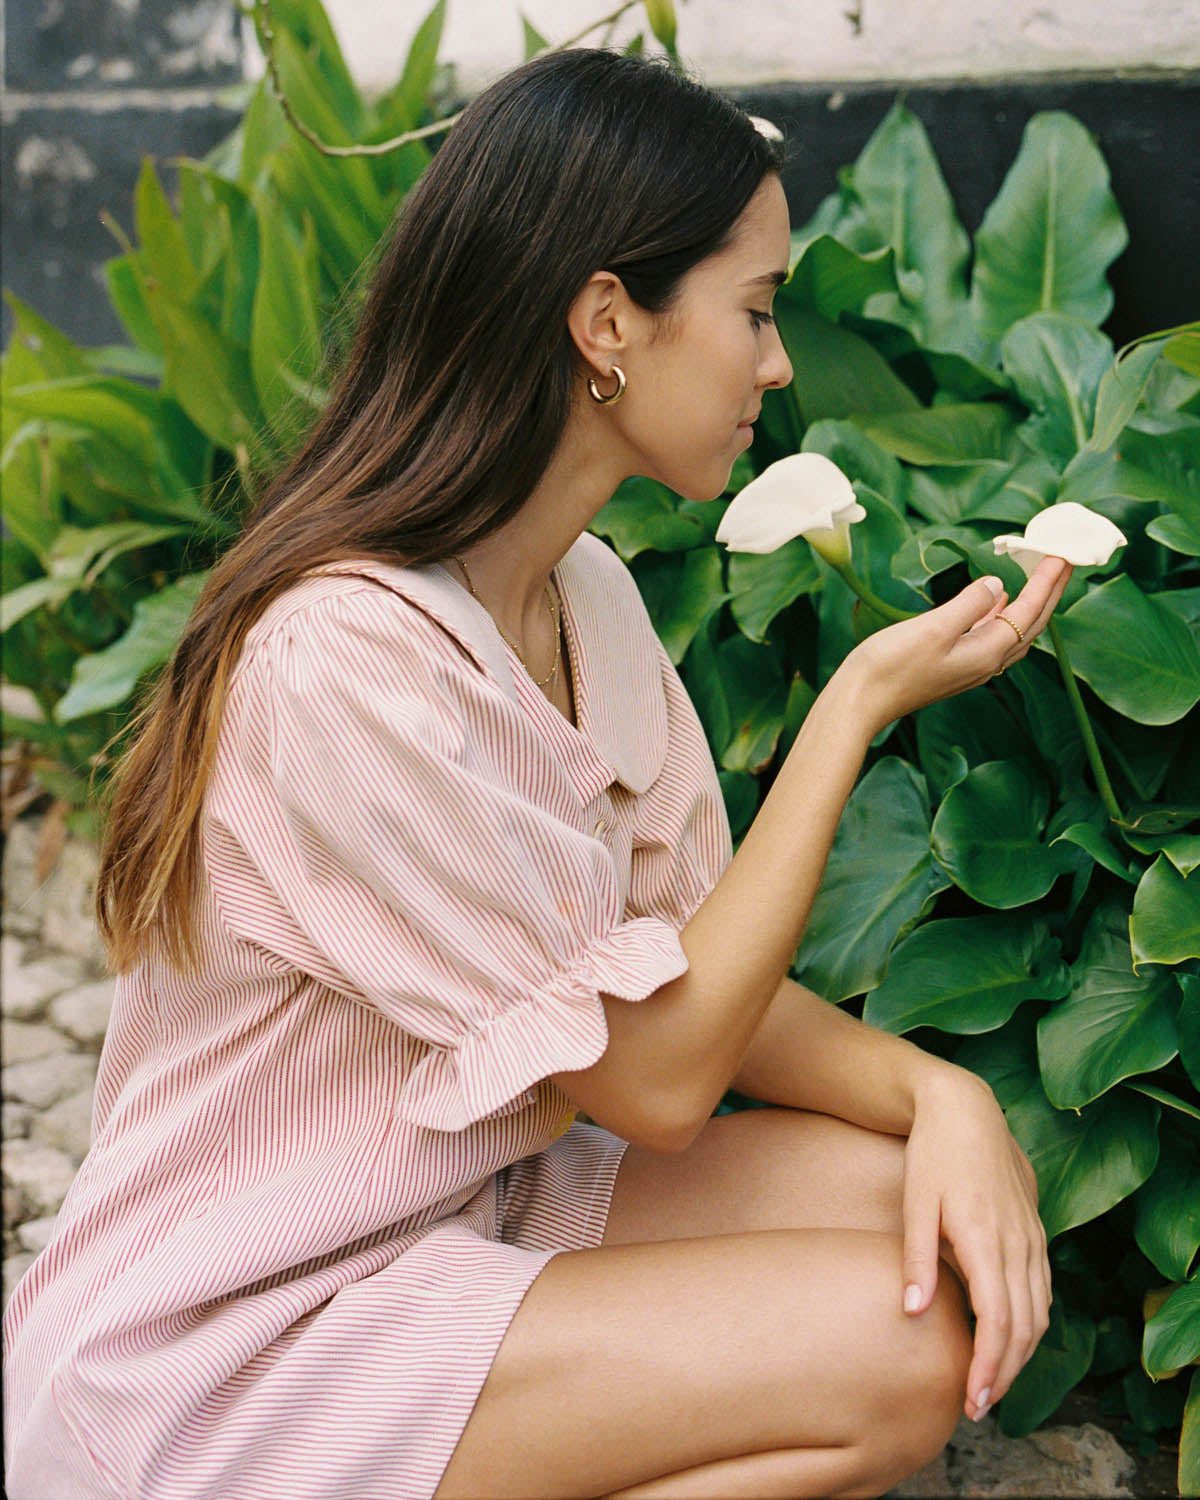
x=804, y=494
x=1070, y=531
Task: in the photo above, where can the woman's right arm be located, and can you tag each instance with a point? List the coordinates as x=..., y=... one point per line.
x=671, y=1056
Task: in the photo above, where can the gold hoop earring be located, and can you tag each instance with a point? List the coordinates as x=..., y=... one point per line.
x=594, y=392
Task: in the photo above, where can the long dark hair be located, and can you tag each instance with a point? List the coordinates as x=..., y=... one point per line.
x=452, y=398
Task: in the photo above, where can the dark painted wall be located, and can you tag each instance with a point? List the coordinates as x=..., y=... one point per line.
x=93, y=85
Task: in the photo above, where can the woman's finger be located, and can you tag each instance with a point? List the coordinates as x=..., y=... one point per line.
x=922, y=1215
x=1024, y=1331
x=988, y=1292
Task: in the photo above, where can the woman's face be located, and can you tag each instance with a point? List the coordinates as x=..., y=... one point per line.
x=696, y=383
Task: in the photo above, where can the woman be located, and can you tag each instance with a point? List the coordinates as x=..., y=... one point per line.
x=420, y=850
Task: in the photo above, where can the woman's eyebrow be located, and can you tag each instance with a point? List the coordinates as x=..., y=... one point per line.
x=769, y=278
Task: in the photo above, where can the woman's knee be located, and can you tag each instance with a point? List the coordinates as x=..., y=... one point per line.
x=922, y=1398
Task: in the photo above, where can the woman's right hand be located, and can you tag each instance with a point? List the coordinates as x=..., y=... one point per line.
x=956, y=646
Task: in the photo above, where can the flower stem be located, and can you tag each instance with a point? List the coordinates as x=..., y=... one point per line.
x=1091, y=748
x=872, y=601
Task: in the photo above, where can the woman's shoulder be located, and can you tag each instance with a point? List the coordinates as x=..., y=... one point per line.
x=360, y=610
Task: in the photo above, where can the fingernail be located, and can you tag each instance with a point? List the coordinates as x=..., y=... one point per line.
x=995, y=584
x=912, y=1298
x=982, y=1404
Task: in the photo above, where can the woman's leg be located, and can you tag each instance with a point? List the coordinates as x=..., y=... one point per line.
x=719, y=1342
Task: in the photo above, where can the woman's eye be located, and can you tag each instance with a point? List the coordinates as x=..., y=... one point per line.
x=760, y=319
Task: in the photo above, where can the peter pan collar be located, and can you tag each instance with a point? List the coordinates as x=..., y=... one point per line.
x=620, y=704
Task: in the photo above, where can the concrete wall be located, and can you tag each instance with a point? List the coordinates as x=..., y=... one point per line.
x=759, y=41
x=92, y=85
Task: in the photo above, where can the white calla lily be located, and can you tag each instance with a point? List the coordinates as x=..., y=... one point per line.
x=1068, y=530
x=804, y=494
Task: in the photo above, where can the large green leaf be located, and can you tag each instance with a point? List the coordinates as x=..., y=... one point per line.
x=644, y=515
x=756, y=695
x=1119, y=392
x=209, y=375
x=831, y=279
x=1056, y=363
x=907, y=203
x=1189, y=1026
x=681, y=591
x=1113, y=1024
x=402, y=106
x=163, y=248
x=1165, y=925
x=1086, y=1161
x=835, y=372
x=763, y=584
x=986, y=835
x=1058, y=1364
x=285, y=331
x=967, y=974
x=1167, y=1226
x=976, y=723
x=107, y=678
x=1172, y=1336
x=1138, y=657
x=1051, y=232
x=879, y=880
x=965, y=433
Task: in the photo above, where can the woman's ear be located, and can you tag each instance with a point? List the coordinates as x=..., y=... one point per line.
x=601, y=321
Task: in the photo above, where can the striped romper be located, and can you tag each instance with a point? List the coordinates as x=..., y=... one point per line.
x=328, y=1161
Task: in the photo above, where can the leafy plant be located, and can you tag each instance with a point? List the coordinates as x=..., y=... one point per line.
x=1013, y=880
x=985, y=893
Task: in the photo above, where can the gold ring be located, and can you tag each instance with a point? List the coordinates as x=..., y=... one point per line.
x=1017, y=628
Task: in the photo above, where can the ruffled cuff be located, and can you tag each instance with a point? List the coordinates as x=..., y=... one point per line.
x=558, y=1029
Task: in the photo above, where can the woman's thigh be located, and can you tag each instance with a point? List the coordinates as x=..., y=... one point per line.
x=761, y=1169
x=633, y=1361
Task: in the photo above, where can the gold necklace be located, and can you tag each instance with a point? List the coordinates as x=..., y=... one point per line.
x=551, y=677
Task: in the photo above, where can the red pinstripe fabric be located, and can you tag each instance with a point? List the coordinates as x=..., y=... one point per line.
x=326, y=1162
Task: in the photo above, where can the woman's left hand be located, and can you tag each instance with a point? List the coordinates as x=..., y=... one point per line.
x=970, y=1195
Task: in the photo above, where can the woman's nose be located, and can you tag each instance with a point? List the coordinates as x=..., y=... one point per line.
x=776, y=368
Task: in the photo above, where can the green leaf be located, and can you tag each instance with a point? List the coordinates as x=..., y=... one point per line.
x=975, y=723
x=534, y=41
x=1184, y=351
x=1113, y=1024
x=1056, y=363
x=164, y=251
x=1182, y=849
x=907, y=203
x=1164, y=1096
x=986, y=835
x=740, y=791
x=285, y=330
x=680, y=593
x=1089, y=837
x=1172, y=1336
x=1119, y=393
x=209, y=375
x=1051, y=232
x=644, y=515
x=23, y=600
x=1057, y=1365
x=1176, y=533
x=954, y=434
x=1189, y=1026
x=835, y=372
x=762, y=585
x=1189, y=1441
x=107, y=678
x=661, y=16
x=1052, y=721
x=967, y=974
x=1089, y=1160
x=878, y=882
x=407, y=100
x=1165, y=925
x=1167, y=1226
x=831, y=279
x=756, y=694
x=1136, y=656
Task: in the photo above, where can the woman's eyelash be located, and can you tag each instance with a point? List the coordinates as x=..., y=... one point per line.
x=760, y=319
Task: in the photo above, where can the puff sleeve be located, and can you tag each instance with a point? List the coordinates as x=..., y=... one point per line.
x=379, y=819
